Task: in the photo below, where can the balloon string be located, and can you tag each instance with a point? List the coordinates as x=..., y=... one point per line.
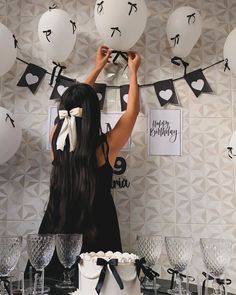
x=140, y=85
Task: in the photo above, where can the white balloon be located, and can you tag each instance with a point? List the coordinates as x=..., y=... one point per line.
x=7, y=50
x=119, y=23
x=184, y=28
x=10, y=135
x=60, y=40
x=229, y=51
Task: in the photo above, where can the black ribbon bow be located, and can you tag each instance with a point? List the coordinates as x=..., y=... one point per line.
x=218, y=280
x=112, y=264
x=54, y=71
x=54, y=6
x=175, y=59
x=147, y=271
x=6, y=284
x=174, y=272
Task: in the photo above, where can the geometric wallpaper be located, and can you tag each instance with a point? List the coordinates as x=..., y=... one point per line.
x=189, y=195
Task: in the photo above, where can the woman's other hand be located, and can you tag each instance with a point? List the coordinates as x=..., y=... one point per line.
x=134, y=60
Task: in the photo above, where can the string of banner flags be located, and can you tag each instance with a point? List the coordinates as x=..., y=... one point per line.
x=164, y=89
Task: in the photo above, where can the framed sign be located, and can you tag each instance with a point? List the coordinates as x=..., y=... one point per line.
x=52, y=114
x=165, y=133
x=108, y=121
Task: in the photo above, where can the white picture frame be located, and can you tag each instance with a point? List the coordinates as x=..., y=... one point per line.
x=108, y=121
x=165, y=132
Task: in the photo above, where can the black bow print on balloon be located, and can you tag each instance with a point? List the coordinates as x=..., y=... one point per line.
x=115, y=29
x=226, y=65
x=147, y=271
x=15, y=42
x=174, y=273
x=47, y=34
x=6, y=284
x=230, y=152
x=100, y=7
x=11, y=120
x=191, y=16
x=73, y=26
x=175, y=39
x=219, y=281
x=132, y=6
x=112, y=264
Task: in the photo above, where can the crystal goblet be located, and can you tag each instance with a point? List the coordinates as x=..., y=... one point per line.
x=149, y=247
x=68, y=247
x=179, y=252
x=40, y=248
x=216, y=256
x=10, y=249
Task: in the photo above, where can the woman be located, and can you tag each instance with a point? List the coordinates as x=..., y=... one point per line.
x=83, y=160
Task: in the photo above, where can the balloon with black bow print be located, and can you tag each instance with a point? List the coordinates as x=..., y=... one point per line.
x=229, y=51
x=8, y=49
x=120, y=23
x=184, y=27
x=10, y=135
x=57, y=34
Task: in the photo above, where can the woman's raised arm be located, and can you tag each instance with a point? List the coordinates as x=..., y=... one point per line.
x=102, y=58
x=120, y=134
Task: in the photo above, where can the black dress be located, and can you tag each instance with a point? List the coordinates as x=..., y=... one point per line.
x=105, y=219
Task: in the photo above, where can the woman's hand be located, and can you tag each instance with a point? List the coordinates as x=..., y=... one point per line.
x=134, y=60
x=102, y=57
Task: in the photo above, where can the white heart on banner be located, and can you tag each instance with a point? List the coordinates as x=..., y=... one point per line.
x=61, y=89
x=198, y=85
x=166, y=94
x=31, y=79
x=99, y=96
x=125, y=98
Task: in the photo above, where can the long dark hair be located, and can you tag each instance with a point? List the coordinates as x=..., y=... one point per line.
x=73, y=175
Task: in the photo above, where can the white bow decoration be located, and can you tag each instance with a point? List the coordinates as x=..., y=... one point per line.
x=68, y=128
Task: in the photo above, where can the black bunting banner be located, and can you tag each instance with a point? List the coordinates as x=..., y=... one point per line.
x=32, y=77
x=165, y=89
x=124, y=90
x=101, y=92
x=198, y=82
x=62, y=83
x=165, y=92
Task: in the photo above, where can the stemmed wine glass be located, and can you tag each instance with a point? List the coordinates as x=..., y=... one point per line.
x=40, y=248
x=179, y=252
x=68, y=247
x=149, y=247
x=10, y=249
x=216, y=256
